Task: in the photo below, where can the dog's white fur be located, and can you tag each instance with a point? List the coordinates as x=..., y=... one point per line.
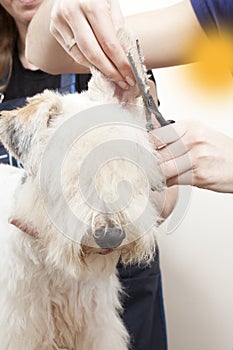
x=54, y=292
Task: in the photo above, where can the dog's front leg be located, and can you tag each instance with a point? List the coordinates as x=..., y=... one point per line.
x=104, y=329
x=24, y=303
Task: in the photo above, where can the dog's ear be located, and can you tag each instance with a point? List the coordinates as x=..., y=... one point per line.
x=26, y=228
x=9, y=132
x=46, y=106
x=19, y=127
x=13, y=134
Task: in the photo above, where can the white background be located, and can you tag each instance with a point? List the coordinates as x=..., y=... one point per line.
x=197, y=257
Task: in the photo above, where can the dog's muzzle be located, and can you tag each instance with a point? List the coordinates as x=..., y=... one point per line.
x=109, y=238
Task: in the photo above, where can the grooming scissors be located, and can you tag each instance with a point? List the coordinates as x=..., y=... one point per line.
x=142, y=81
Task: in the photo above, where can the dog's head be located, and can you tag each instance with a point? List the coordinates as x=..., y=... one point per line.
x=88, y=175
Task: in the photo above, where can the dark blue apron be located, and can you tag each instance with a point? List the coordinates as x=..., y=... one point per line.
x=142, y=301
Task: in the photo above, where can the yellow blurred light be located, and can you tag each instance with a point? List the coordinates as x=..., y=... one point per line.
x=215, y=67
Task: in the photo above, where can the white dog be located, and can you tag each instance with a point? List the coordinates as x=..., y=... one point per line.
x=83, y=201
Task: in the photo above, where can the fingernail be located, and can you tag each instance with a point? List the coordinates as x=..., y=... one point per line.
x=123, y=85
x=130, y=81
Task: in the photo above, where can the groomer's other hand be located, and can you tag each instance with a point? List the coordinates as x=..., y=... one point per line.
x=193, y=153
x=93, y=25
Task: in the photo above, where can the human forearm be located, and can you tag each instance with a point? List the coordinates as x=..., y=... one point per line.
x=43, y=50
x=166, y=34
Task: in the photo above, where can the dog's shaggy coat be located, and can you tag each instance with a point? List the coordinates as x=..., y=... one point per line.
x=60, y=290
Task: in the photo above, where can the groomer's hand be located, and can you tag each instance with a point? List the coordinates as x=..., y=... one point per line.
x=192, y=153
x=87, y=29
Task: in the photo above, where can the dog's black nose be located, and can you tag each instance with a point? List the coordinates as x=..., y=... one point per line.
x=109, y=238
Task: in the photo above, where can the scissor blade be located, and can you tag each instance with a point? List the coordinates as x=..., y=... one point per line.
x=142, y=87
x=151, y=106
x=141, y=80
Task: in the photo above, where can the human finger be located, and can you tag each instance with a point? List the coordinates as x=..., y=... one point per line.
x=165, y=135
x=66, y=40
x=173, y=150
x=176, y=167
x=109, y=41
x=62, y=32
x=165, y=200
x=117, y=16
x=186, y=178
x=86, y=50
x=97, y=39
x=93, y=53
